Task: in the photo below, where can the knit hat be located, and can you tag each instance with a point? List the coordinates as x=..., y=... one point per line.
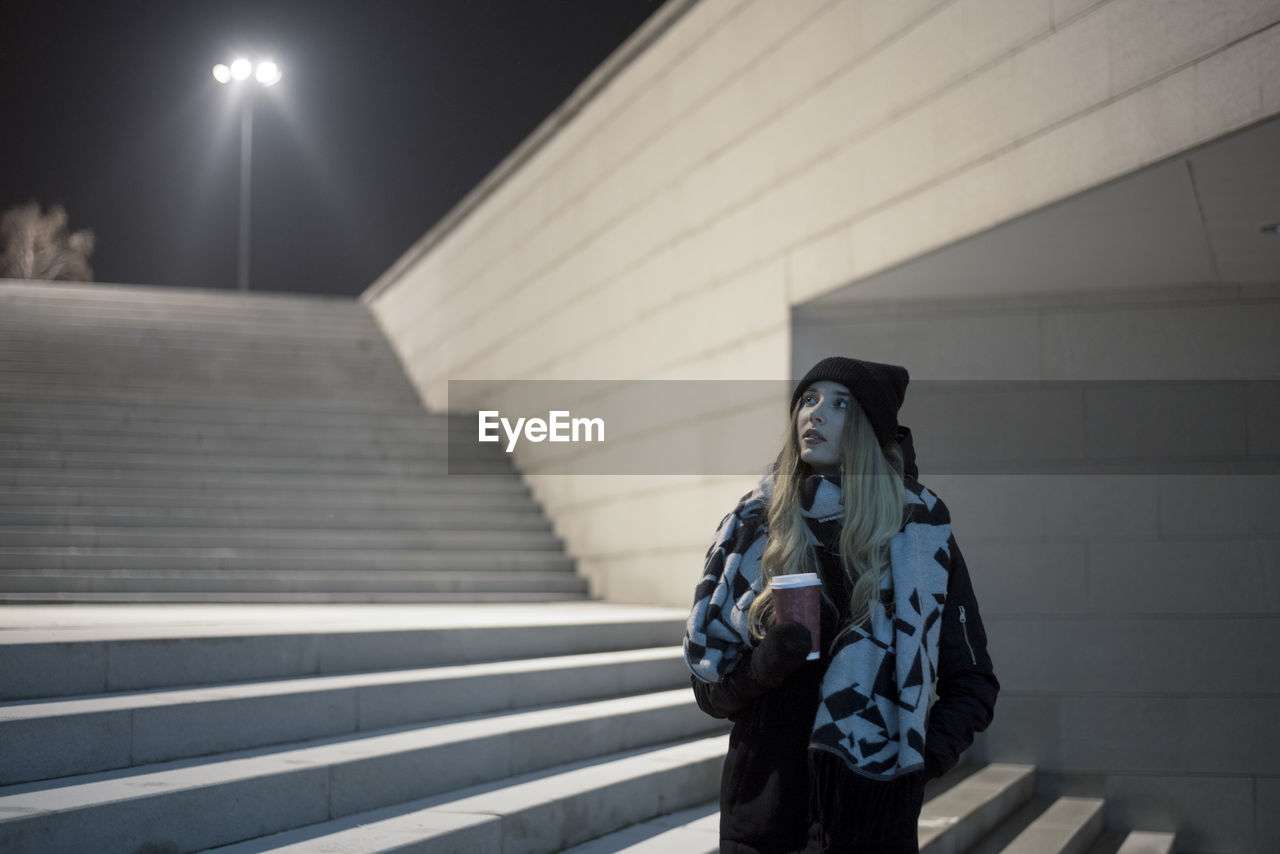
x=878, y=388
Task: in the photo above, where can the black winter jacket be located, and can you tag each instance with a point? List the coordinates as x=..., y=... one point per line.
x=772, y=788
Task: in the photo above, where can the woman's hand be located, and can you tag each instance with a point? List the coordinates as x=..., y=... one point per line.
x=781, y=652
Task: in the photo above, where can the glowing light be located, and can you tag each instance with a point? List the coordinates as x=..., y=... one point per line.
x=268, y=73
x=221, y=73
x=241, y=69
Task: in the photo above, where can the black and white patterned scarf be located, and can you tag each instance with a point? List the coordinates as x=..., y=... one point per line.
x=879, y=683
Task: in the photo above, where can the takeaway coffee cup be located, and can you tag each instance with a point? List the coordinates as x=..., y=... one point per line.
x=796, y=598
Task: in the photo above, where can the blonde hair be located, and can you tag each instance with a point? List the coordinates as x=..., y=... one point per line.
x=873, y=496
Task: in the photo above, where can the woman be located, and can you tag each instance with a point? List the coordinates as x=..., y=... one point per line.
x=832, y=755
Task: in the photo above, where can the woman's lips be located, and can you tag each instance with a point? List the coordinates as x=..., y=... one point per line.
x=813, y=437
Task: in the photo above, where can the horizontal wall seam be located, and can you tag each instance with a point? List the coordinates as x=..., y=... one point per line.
x=1194, y=296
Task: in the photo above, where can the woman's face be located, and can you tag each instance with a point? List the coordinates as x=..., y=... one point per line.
x=824, y=406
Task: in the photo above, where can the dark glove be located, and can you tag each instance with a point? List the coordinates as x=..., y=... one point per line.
x=782, y=650
x=780, y=653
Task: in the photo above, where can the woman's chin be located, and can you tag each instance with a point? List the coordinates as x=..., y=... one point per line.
x=818, y=464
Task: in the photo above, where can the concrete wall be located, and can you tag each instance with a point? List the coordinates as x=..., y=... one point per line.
x=758, y=154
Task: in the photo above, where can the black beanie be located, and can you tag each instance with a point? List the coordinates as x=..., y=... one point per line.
x=878, y=388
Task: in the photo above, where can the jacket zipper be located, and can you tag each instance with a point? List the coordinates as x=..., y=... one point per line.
x=965, y=628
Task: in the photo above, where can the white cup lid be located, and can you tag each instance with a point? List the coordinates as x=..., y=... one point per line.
x=797, y=579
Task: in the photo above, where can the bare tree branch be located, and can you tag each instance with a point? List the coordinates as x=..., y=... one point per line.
x=37, y=246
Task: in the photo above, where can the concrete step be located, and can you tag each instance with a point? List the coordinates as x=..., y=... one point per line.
x=134, y=435
x=197, y=368
x=522, y=517
x=953, y=820
x=690, y=831
x=56, y=738
x=395, y=427
x=299, y=484
x=141, y=322
x=157, y=299
x=406, y=447
x=533, y=813
x=76, y=296
x=55, y=651
x=496, y=494
x=138, y=324
x=98, y=461
x=348, y=390
x=97, y=411
x=193, y=405
x=404, y=444
x=423, y=451
x=280, y=386
x=38, y=315
x=258, y=558
x=1147, y=842
x=353, y=594
x=127, y=433
x=54, y=362
x=294, y=785
x=276, y=357
x=1045, y=825
x=61, y=363
x=160, y=306
x=347, y=394
x=225, y=339
x=68, y=363
x=77, y=334
x=1019, y=820
x=1069, y=826
x=284, y=585
x=258, y=536
x=247, y=486
x=352, y=375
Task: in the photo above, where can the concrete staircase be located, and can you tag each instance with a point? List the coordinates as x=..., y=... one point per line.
x=182, y=445
x=323, y=688
x=425, y=727
x=445, y=727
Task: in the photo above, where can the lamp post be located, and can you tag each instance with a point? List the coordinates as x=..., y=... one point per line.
x=266, y=73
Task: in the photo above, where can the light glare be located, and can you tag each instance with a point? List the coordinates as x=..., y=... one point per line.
x=241, y=69
x=268, y=73
x=221, y=73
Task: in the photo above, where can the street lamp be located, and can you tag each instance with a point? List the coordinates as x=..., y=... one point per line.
x=266, y=73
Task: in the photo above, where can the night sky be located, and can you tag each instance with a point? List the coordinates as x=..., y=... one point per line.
x=388, y=113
